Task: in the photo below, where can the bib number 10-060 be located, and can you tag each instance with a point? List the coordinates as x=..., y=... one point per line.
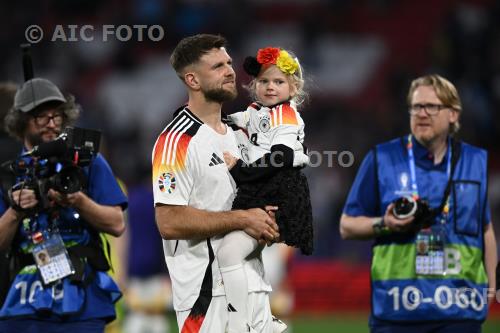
x=410, y=298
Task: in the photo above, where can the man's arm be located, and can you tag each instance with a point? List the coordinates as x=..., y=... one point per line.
x=108, y=219
x=9, y=221
x=184, y=222
x=357, y=227
x=361, y=227
x=490, y=258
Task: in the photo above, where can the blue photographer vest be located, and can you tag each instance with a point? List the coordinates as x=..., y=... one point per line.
x=64, y=300
x=398, y=294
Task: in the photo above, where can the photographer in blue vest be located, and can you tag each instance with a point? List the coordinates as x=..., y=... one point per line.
x=423, y=199
x=57, y=263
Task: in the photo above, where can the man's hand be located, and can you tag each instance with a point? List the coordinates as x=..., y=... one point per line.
x=66, y=200
x=108, y=219
x=271, y=211
x=394, y=224
x=261, y=224
x=25, y=198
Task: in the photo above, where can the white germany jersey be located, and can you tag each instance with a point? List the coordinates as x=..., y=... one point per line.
x=281, y=124
x=188, y=169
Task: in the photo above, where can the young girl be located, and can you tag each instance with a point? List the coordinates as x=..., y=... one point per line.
x=269, y=171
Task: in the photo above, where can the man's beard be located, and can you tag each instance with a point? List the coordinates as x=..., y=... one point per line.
x=36, y=139
x=220, y=95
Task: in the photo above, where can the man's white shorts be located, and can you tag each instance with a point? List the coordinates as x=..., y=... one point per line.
x=215, y=320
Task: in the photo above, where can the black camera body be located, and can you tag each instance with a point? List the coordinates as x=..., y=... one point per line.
x=405, y=207
x=56, y=165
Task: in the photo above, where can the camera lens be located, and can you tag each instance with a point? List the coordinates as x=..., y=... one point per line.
x=69, y=180
x=404, y=207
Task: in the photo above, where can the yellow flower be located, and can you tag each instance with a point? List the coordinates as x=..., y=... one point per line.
x=286, y=63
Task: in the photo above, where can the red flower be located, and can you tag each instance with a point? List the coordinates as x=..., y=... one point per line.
x=268, y=55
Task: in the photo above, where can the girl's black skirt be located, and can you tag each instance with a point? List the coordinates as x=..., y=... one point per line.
x=288, y=190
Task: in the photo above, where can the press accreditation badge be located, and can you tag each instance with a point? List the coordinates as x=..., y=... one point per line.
x=430, y=245
x=52, y=259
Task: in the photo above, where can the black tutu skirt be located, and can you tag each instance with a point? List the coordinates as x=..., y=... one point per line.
x=288, y=190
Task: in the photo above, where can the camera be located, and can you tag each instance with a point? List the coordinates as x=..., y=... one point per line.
x=56, y=165
x=406, y=207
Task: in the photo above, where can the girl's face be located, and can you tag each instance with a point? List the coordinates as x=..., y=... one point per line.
x=273, y=87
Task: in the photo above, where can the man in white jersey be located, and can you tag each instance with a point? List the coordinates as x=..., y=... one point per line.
x=193, y=193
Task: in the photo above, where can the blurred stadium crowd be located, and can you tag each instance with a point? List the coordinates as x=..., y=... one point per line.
x=358, y=56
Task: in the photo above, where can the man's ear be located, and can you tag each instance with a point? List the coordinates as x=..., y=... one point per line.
x=192, y=81
x=454, y=116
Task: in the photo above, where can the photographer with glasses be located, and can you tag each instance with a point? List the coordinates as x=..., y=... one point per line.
x=58, y=280
x=423, y=199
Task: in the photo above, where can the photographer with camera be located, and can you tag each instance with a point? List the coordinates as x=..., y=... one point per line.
x=50, y=220
x=423, y=197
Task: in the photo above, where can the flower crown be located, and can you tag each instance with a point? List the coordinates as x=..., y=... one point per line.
x=272, y=56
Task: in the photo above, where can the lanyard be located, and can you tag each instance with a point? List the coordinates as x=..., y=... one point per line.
x=413, y=174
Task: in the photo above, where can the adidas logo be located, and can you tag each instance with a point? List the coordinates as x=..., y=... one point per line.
x=215, y=160
x=230, y=308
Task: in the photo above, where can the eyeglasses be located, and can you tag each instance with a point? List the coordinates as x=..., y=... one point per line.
x=42, y=120
x=429, y=108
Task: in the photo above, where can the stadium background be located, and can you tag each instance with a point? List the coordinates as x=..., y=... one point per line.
x=359, y=57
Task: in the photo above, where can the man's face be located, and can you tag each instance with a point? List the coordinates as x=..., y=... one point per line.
x=216, y=76
x=44, y=125
x=427, y=128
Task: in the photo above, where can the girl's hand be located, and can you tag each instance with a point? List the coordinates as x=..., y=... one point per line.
x=230, y=160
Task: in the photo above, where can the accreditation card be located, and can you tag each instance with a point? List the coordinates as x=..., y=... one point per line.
x=51, y=257
x=430, y=245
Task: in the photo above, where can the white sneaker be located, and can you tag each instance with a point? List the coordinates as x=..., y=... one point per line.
x=278, y=325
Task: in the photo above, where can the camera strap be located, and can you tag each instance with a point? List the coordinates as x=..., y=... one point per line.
x=453, y=156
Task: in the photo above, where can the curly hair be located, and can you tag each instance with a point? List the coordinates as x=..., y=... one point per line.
x=16, y=121
x=7, y=93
